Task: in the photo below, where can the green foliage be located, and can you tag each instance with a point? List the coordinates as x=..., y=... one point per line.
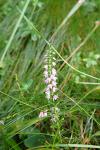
x=27, y=29
x=36, y=139
x=91, y=60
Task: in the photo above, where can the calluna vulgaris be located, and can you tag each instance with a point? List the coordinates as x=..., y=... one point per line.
x=50, y=75
x=50, y=78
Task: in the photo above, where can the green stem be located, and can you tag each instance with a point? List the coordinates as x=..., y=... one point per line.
x=14, y=31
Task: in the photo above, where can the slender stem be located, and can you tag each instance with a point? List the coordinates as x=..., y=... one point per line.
x=69, y=15
x=14, y=31
x=79, y=46
x=50, y=45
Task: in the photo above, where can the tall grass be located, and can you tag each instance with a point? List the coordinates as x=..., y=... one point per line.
x=28, y=29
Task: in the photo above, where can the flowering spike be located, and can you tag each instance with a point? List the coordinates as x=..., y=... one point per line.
x=50, y=75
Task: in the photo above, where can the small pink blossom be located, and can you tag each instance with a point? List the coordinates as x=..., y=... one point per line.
x=54, y=71
x=46, y=81
x=47, y=89
x=50, y=86
x=49, y=80
x=54, y=83
x=55, y=97
x=47, y=92
x=53, y=77
x=43, y=114
x=54, y=89
x=50, y=76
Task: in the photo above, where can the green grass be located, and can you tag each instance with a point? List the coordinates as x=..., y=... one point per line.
x=28, y=29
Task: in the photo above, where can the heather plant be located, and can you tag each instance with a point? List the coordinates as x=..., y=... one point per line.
x=49, y=74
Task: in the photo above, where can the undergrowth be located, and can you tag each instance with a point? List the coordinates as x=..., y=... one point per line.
x=71, y=31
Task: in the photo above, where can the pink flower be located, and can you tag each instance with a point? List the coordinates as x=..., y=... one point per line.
x=43, y=114
x=47, y=92
x=53, y=77
x=54, y=89
x=50, y=86
x=54, y=83
x=54, y=71
x=55, y=97
x=48, y=80
x=50, y=75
